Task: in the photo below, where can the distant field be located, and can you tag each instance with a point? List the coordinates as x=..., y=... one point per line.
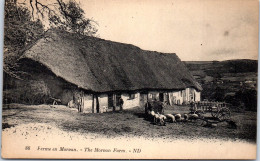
x=227, y=81
x=127, y=123
x=199, y=62
x=229, y=66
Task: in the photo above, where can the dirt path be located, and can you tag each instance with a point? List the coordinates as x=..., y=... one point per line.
x=125, y=124
x=43, y=138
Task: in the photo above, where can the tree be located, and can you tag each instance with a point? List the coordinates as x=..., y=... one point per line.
x=68, y=16
x=20, y=30
x=72, y=19
x=248, y=97
x=24, y=25
x=219, y=94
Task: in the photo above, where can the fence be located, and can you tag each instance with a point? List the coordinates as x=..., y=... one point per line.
x=207, y=105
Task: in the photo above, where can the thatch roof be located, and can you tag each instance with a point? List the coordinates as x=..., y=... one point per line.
x=101, y=66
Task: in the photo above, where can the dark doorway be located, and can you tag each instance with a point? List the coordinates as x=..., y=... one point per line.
x=118, y=96
x=110, y=101
x=161, y=97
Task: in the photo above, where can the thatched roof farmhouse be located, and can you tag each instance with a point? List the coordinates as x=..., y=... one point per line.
x=107, y=69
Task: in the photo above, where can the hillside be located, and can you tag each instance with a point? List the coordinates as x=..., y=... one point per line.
x=226, y=80
x=228, y=66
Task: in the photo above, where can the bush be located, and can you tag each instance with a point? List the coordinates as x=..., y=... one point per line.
x=30, y=92
x=244, y=99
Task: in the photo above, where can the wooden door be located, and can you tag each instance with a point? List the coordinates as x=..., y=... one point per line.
x=161, y=97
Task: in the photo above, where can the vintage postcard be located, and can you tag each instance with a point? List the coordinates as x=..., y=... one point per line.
x=130, y=79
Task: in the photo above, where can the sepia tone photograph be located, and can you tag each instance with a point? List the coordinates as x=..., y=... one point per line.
x=130, y=79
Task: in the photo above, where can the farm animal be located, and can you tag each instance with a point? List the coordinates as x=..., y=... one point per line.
x=193, y=116
x=162, y=117
x=199, y=112
x=170, y=118
x=162, y=120
x=186, y=117
x=178, y=117
x=158, y=118
x=152, y=113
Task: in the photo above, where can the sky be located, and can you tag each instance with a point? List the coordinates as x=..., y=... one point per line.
x=196, y=30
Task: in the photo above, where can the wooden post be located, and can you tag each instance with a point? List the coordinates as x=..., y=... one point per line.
x=114, y=108
x=97, y=104
x=120, y=104
x=82, y=104
x=114, y=102
x=93, y=103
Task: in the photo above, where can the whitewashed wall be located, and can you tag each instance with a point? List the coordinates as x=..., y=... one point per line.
x=130, y=103
x=153, y=94
x=88, y=100
x=103, y=102
x=87, y=103
x=176, y=98
x=197, y=96
x=184, y=96
x=194, y=95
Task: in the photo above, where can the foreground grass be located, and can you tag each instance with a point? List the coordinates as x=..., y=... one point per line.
x=128, y=123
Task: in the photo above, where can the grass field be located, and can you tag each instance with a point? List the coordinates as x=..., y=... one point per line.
x=128, y=123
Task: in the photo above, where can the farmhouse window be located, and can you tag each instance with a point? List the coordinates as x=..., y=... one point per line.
x=153, y=96
x=131, y=96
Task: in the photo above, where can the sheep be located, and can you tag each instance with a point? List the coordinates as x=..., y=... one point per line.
x=158, y=118
x=152, y=113
x=170, y=118
x=193, y=116
x=161, y=119
x=186, y=117
x=178, y=117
